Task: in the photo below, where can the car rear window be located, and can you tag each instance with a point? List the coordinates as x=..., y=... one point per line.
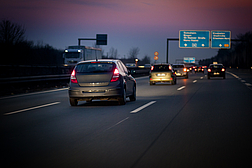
x=216, y=66
x=161, y=68
x=95, y=67
x=178, y=66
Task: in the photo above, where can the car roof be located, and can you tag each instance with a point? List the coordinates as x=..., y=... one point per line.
x=99, y=60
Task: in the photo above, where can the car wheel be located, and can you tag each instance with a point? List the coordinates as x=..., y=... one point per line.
x=122, y=99
x=152, y=83
x=224, y=77
x=173, y=82
x=73, y=102
x=133, y=96
x=208, y=77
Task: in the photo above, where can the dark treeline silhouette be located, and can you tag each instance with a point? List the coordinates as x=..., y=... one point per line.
x=240, y=54
x=15, y=50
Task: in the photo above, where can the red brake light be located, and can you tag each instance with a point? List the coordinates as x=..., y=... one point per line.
x=209, y=70
x=115, y=76
x=223, y=69
x=73, y=77
x=185, y=70
x=152, y=67
x=170, y=67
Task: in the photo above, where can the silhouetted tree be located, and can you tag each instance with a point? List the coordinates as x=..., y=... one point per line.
x=10, y=33
x=133, y=53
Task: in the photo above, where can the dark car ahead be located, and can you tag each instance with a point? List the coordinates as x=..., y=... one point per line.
x=101, y=79
x=161, y=73
x=216, y=70
x=180, y=70
x=198, y=68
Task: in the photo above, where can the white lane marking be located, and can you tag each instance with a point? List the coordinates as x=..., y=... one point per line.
x=243, y=81
x=142, y=107
x=34, y=93
x=248, y=84
x=32, y=108
x=194, y=81
x=182, y=87
x=234, y=75
x=117, y=123
x=201, y=77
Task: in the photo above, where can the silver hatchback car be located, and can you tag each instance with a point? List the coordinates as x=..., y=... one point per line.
x=101, y=79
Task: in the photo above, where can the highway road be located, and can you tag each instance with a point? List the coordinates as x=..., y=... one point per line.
x=195, y=123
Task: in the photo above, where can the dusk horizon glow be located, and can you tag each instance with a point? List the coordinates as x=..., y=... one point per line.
x=145, y=24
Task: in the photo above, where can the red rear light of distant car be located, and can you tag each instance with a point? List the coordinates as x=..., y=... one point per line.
x=223, y=69
x=115, y=76
x=170, y=68
x=73, y=77
x=209, y=70
x=185, y=70
x=152, y=67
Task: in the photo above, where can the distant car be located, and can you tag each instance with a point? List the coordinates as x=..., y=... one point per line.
x=161, y=73
x=198, y=69
x=180, y=70
x=101, y=79
x=216, y=70
x=130, y=65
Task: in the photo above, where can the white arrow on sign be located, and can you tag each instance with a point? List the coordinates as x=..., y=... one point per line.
x=203, y=45
x=220, y=45
x=185, y=44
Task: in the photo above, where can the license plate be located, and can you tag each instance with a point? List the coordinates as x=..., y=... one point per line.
x=160, y=74
x=216, y=73
x=178, y=73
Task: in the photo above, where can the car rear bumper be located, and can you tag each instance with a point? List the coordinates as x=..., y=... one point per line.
x=87, y=93
x=216, y=74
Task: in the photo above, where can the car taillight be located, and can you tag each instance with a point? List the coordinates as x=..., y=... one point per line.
x=152, y=67
x=115, y=76
x=209, y=70
x=185, y=70
x=73, y=77
x=170, y=68
x=222, y=69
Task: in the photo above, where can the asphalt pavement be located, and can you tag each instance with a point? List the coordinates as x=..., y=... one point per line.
x=196, y=123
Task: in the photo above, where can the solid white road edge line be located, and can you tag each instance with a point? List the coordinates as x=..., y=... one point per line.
x=142, y=107
x=32, y=108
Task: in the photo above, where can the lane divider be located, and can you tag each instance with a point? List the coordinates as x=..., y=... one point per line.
x=194, y=81
x=182, y=87
x=32, y=108
x=142, y=107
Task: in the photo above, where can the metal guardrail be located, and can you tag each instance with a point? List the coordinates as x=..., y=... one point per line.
x=136, y=71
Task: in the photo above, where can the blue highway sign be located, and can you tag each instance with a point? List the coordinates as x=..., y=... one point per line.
x=189, y=59
x=194, y=39
x=221, y=39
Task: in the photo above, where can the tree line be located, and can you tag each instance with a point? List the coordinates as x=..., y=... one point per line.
x=16, y=50
x=239, y=56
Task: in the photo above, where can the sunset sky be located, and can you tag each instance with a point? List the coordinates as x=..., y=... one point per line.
x=145, y=24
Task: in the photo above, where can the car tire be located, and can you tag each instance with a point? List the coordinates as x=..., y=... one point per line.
x=152, y=83
x=122, y=99
x=208, y=77
x=224, y=77
x=133, y=96
x=73, y=102
x=173, y=82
